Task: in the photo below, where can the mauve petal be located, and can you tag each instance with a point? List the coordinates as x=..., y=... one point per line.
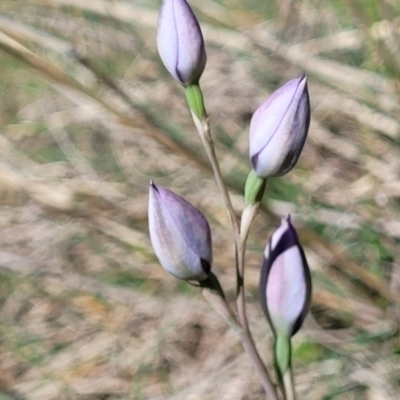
x=180, y=235
x=167, y=37
x=285, y=283
x=180, y=41
x=269, y=115
x=286, y=305
x=279, y=129
x=192, y=56
x=191, y=223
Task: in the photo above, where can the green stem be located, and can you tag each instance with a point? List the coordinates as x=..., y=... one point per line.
x=283, y=365
x=200, y=119
x=254, y=188
x=194, y=97
x=247, y=339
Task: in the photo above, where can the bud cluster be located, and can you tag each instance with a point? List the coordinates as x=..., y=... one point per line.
x=180, y=233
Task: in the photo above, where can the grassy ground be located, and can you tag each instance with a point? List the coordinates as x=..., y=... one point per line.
x=88, y=115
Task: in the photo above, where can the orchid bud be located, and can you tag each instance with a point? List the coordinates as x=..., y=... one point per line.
x=279, y=128
x=180, y=42
x=285, y=283
x=180, y=235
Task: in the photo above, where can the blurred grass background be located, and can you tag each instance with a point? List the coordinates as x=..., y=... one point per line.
x=89, y=115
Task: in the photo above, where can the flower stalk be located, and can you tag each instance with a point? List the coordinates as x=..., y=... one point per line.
x=285, y=291
x=278, y=131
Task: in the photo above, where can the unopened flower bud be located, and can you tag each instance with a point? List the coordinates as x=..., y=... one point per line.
x=279, y=128
x=180, y=235
x=285, y=284
x=180, y=42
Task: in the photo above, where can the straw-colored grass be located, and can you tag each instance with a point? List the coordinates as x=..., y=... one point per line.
x=89, y=115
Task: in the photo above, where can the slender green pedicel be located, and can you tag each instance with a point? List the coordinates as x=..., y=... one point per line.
x=254, y=188
x=194, y=97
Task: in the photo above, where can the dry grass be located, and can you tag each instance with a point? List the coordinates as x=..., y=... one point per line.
x=88, y=115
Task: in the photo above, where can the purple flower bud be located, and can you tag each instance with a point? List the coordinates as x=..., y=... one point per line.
x=279, y=129
x=285, y=283
x=180, y=42
x=180, y=235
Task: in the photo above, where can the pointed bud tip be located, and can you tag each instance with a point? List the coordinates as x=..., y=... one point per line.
x=288, y=218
